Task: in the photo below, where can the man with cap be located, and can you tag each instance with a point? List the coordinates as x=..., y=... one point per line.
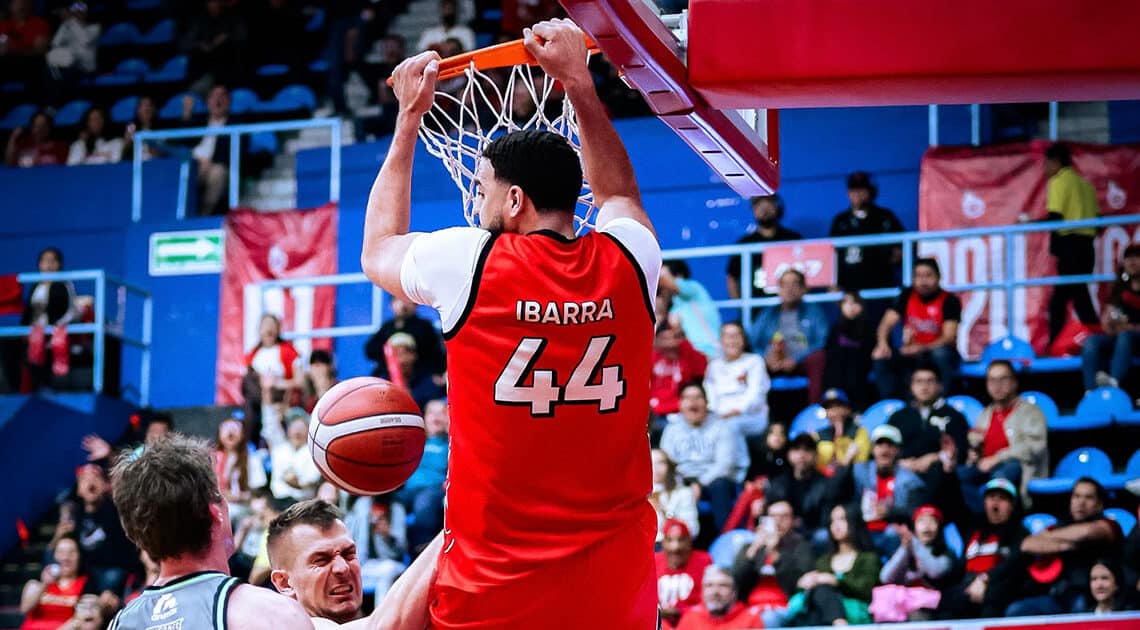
x=994, y=540
x=719, y=607
x=886, y=492
x=810, y=494
x=1055, y=562
x=680, y=571
x=865, y=267
x=842, y=442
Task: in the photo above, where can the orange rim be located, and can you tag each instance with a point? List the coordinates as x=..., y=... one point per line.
x=505, y=55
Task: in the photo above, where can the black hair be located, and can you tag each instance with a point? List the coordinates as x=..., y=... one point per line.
x=1101, y=493
x=679, y=268
x=928, y=262
x=320, y=356
x=774, y=199
x=542, y=164
x=1006, y=363
x=1060, y=154
x=743, y=332
x=693, y=383
x=51, y=250
x=88, y=139
x=927, y=366
x=856, y=530
x=803, y=441
x=1114, y=567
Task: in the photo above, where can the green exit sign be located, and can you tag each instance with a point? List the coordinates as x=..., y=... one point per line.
x=185, y=253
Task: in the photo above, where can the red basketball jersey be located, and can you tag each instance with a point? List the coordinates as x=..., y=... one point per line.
x=548, y=371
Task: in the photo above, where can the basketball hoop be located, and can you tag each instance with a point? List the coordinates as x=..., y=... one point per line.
x=475, y=105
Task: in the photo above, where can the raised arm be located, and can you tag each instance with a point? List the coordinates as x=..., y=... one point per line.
x=387, y=220
x=560, y=48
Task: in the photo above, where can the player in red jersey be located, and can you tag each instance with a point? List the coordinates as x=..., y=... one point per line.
x=549, y=339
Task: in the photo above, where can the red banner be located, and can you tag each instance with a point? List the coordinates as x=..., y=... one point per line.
x=11, y=295
x=815, y=260
x=965, y=187
x=264, y=246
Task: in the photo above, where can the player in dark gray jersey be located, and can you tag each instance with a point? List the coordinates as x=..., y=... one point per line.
x=171, y=507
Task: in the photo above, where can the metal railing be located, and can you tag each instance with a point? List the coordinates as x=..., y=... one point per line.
x=976, y=123
x=1008, y=284
x=234, y=132
x=117, y=325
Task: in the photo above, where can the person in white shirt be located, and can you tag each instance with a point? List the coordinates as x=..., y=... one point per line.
x=94, y=146
x=295, y=476
x=74, y=44
x=737, y=383
x=448, y=28
x=670, y=498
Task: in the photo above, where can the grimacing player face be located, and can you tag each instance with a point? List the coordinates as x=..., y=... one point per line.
x=321, y=571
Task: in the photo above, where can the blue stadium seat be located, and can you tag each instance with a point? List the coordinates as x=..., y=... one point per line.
x=1055, y=364
x=172, y=71
x=968, y=406
x=161, y=33
x=13, y=87
x=316, y=21
x=1126, y=519
x=115, y=79
x=123, y=111
x=788, y=383
x=1116, y=481
x=1048, y=407
x=1014, y=350
x=70, y=114
x=295, y=97
x=319, y=65
x=142, y=5
x=813, y=418
x=1036, y=523
x=18, y=116
x=121, y=34
x=723, y=550
x=953, y=539
x=1095, y=411
x=1117, y=402
x=243, y=101
x=273, y=70
x=1087, y=461
x=173, y=107
x=263, y=142
x=134, y=65
x=879, y=413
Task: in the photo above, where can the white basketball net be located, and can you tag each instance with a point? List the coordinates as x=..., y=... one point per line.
x=462, y=122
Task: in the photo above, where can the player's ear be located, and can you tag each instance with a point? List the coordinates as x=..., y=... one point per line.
x=281, y=582
x=516, y=200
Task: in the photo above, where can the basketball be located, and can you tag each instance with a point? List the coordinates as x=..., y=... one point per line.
x=366, y=435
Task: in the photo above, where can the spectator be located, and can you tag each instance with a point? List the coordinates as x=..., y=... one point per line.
x=25, y=36
x=422, y=494
x=768, y=211
x=707, y=451
x=838, y=590
x=273, y=369
x=1069, y=197
x=1120, y=342
x=36, y=147
x=1057, y=581
x=49, y=602
x=429, y=343
x=239, y=469
x=769, y=456
x=95, y=145
x=861, y=267
x=930, y=429
x=692, y=305
x=448, y=28
x=766, y=571
x=88, y=615
x=930, y=317
x=94, y=521
x=988, y=551
x=679, y=573
x=251, y=532
x=99, y=450
x=212, y=153
x=1012, y=435
x=737, y=383
x=791, y=335
x=382, y=552
x=675, y=362
x=810, y=494
x=671, y=500
x=319, y=379
x=914, y=576
x=422, y=385
x=847, y=351
x=887, y=492
x=295, y=476
x=50, y=303
x=719, y=607
x=842, y=442
x=214, y=42
x=73, y=47
x=145, y=119
x=1107, y=588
